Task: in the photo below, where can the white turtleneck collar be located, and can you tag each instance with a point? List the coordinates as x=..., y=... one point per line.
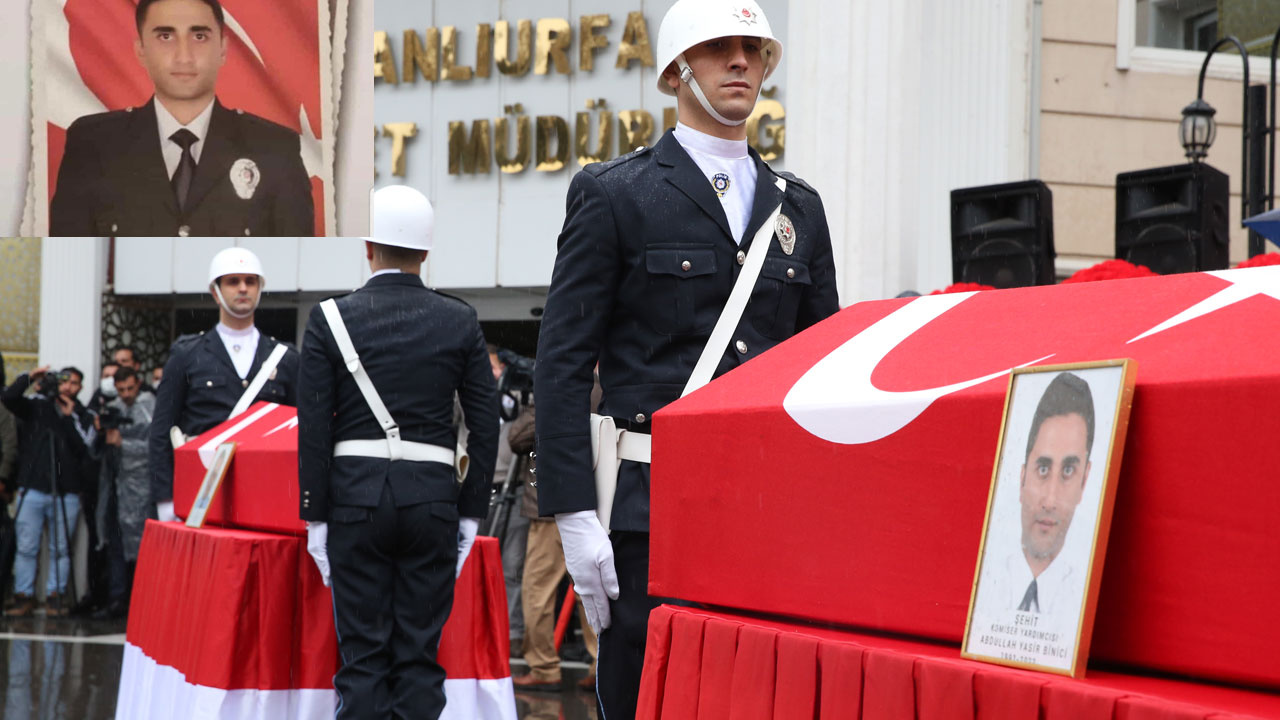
x=691, y=139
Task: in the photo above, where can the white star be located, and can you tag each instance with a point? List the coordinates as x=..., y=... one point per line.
x=1244, y=284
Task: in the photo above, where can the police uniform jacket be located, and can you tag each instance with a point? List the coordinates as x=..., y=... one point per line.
x=113, y=180
x=420, y=348
x=200, y=388
x=646, y=262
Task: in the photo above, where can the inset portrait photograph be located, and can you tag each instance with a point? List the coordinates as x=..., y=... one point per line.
x=185, y=117
x=1048, y=515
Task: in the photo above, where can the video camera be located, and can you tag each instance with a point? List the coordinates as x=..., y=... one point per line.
x=517, y=378
x=47, y=385
x=112, y=418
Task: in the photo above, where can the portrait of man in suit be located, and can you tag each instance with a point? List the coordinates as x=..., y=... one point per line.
x=182, y=164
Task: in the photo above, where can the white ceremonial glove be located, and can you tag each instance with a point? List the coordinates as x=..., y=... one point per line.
x=164, y=511
x=467, y=529
x=588, y=555
x=318, y=546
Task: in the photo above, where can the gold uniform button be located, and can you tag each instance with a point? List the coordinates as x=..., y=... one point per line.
x=184, y=231
x=686, y=265
x=791, y=272
x=640, y=417
x=741, y=346
x=742, y=257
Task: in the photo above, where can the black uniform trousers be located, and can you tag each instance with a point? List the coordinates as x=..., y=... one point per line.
x=620, y=658
x=383, y=560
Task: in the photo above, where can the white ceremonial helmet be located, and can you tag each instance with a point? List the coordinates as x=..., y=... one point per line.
x=235, y=261
x=402, y=217
x=690, y=22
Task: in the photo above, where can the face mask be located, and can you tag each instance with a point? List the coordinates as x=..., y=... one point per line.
x=108, y=387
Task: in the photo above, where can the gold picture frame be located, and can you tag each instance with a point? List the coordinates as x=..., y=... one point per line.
x=211, y=483
x=1035, y=588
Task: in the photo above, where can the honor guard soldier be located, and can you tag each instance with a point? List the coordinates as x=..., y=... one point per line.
x=217, y=375
x=391, y=510
x=659, y=247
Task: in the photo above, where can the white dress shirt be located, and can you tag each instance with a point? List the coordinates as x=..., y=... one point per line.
x=717, y=156
x=241, y=345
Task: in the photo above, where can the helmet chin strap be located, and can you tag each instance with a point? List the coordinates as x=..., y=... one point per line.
x=686, y=76
x=217, y=292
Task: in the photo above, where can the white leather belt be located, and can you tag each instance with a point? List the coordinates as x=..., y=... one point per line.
x=415, y=451
x=635, y=446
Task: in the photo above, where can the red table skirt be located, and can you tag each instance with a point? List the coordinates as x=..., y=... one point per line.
x=238, y=609
x=701, y=664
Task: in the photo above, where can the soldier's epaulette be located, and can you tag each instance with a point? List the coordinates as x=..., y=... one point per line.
x=793, y=180
x=451, y=297
x=598, y=168
x=185, y=342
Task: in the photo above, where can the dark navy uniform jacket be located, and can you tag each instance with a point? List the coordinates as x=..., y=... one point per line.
x=199, y=390
x=113, y=180
x=420, y=348
x=646, y=262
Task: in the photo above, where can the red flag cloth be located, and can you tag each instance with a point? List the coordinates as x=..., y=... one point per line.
x=785, y=670
x=853, y=465
x=1110, y=270
x=237, y=624
x=1271, y=258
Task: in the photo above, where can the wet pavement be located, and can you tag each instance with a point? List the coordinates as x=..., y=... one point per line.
x=69, y=669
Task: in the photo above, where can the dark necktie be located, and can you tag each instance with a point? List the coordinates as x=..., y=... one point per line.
x=181, y=182
x=1030, y=598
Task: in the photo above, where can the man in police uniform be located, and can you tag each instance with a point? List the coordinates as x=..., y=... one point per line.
x=212, y=374
x=182, y=164
x=651, y=247
x=376, y=463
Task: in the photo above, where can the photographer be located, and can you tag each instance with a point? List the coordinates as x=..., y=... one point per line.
x=124, y=425
x=56, y=433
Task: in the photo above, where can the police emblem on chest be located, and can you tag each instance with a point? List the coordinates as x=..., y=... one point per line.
x=721, y=184
x=245, y=177
x=786, y=234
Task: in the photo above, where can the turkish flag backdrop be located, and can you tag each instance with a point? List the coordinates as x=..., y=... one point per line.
x=859, y=500
x=273, y=70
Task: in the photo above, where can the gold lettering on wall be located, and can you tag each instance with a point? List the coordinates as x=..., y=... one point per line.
x=524, y=50
x=549, y=126
x=554, y=38
x=507, y=163
x=419, y=58
x=582, y=134
x=469, y=155
x=484, y=50
x=399, y=132
x=776, y=132
x=635, y=130
x=384, y=63
x=450, y=70
x=635, y=45
x=589, y=42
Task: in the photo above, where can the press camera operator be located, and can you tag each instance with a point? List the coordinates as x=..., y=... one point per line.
x=56, y=434
x=124, y=424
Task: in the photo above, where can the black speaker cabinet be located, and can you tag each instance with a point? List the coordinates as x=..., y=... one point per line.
x=1002, y=235
x=1173, y=219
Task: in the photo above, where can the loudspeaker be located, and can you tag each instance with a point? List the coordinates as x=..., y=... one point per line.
x=1002, y=235
x=1173, y=219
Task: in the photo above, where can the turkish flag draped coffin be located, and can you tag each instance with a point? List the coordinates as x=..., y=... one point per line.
x=843, y=476
x=237, y=625
x=260, y=489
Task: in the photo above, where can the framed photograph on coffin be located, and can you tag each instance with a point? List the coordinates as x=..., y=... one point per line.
x=212, y=481
x=1049, y=515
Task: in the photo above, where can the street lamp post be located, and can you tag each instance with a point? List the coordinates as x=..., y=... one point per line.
x=1198, y=129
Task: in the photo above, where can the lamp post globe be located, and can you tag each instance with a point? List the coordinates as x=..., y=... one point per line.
x=1197, y=129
